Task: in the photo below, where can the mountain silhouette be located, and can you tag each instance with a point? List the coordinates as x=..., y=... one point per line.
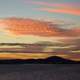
x=49, y=60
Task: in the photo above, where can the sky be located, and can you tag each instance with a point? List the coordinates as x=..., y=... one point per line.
x=64, y=10
x=68, y=10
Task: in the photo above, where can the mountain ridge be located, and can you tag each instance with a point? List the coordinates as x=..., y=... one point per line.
x=49, y=60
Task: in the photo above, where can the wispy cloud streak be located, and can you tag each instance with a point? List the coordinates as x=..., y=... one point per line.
x=65, y=8
x=64, y=11
x=56, y=4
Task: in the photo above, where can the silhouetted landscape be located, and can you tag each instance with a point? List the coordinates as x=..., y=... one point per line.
x=49, y=60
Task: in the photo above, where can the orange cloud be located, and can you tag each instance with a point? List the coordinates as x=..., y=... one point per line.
x=65, y=8
x=21, y=26
x=53, y=4
x=29, y=27
x=61, y=10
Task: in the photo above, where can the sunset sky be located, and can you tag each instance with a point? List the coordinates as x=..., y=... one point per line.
x=68, y=10
x=16, y=23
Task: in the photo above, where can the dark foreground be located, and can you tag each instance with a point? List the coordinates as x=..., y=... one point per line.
x=49, y=60
x=39, y=71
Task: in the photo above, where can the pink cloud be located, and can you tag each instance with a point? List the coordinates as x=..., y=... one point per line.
x=63, y=10
x=66, y=8
x=53, y=4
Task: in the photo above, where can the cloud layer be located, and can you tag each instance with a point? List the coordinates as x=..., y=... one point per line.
x=21, y=26
x=65, y=42
x=63, y=11
x=64, y=8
